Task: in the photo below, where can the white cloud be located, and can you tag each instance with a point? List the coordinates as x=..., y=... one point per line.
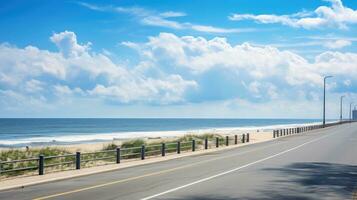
x=254, y=87
x=162, y=22
x=347, y=82
x=212, y=29
x=167, y=90
x=199, y=55
x=19, y=63
x=67, y=43
x=170, y=67
x=75, y=68
x=337, y=44
x=34, y=85
x=163, y=19
x=327, y=43
x=335, y=16
x=172, y=14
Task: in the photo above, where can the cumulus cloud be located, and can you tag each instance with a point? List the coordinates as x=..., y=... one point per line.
x=170, y=89
x=75, y=70
x=200, y=55
x=67, y=43
x=258, y=65
x=337, y=15
x=171, y=70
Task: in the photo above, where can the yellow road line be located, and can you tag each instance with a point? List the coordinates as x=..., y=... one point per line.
x=145, y=175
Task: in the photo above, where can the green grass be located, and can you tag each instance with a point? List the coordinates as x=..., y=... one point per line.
x=109, y=147
x=17, y=154
x=130, y=149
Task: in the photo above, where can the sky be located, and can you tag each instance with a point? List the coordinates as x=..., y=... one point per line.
x=187, y=58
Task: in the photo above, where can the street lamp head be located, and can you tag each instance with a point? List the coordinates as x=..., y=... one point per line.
x=326, y=77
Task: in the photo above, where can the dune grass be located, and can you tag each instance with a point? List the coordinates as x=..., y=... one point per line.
x=19, y=154
x=130, y=149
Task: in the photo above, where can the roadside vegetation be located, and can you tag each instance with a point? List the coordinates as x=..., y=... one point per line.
x=130, y=149
x=20, y=154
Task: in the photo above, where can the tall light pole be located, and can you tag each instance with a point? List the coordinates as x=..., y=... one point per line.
x=324, y=109
x=341, y=107
x=351, y=111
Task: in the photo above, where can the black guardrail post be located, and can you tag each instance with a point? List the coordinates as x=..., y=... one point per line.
x=193, y=145
x=235, y=139
x=118, y=155
x=142, y=152
x=273, y=133
x=206, y=143
x=247, y=137
x=163, y=149
x=217, y=142
x=243, y=138
x=281, y=132
x=41, y=165
x=78, y=160
x=178, y=147
x=227, y=140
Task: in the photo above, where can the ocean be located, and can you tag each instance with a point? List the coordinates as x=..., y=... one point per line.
x=16, y=132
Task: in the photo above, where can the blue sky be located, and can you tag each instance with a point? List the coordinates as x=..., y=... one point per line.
x=237, y=59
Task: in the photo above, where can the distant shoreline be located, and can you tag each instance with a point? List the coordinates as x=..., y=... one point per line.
x=105, y=138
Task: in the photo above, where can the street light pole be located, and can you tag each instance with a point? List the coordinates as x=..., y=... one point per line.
x=351, y=111
x=341, y=107
x=324, y=108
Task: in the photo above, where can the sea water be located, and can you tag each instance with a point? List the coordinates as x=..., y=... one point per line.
x=36, y=131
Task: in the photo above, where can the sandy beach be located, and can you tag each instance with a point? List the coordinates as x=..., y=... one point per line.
x=258, y=134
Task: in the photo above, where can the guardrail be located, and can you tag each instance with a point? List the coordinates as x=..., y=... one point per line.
x=42, y=164
x=290, y=131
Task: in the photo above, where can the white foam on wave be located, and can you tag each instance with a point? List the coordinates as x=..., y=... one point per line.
x=82, y=138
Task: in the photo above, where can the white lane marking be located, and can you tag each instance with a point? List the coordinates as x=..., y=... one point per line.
x=232, y=170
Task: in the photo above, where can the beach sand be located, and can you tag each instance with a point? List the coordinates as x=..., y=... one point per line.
x=255, y=135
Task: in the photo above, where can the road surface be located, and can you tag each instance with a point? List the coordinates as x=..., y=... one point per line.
x=320, y=164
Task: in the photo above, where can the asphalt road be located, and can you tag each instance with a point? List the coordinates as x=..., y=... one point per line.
x=320, y=164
